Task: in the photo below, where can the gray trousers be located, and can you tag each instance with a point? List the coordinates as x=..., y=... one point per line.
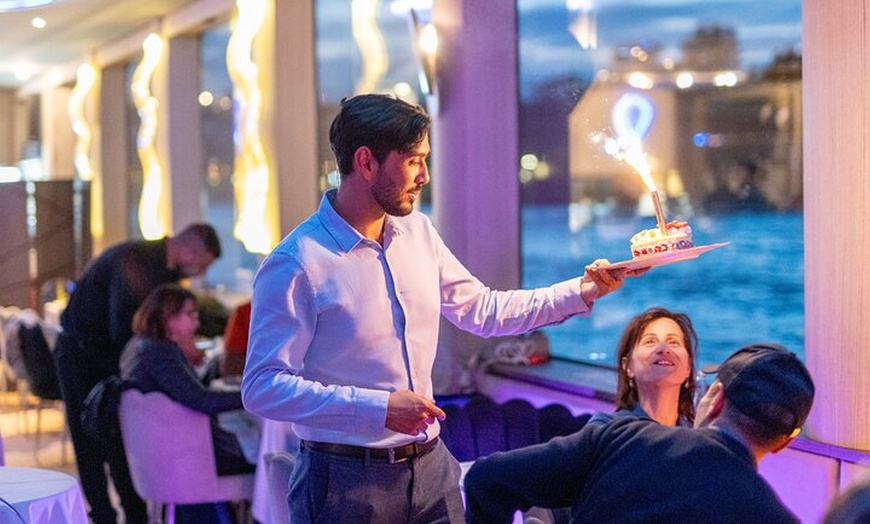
x=328, y=489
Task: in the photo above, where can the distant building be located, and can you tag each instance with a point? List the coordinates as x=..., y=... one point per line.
x=699, y=121
x=711, y=48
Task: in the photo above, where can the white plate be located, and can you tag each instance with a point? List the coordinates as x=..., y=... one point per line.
x=668, y=257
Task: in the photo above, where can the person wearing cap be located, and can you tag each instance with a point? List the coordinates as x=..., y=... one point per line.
x=636, y=470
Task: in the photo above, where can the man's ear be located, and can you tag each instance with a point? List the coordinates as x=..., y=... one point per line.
x=711, y=405
x=717, y=402
x=782, y=445
x=365, y=163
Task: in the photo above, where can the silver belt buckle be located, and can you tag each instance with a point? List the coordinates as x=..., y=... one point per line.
x=391, y=455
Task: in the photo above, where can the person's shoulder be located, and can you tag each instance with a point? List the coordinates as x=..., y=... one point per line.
x=138, y=251
x=152, y=348
x=636, y=412
x=114, y=252
x=309, y=232
x=628, y=426
x=308, y=241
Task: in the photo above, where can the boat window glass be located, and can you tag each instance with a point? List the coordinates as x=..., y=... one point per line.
x=709, y=95
x=363, y=47
x=235, y=268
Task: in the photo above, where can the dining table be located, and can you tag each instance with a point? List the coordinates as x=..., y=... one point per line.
x=40, y=496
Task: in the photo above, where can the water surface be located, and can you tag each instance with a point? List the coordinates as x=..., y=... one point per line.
x=749, y=291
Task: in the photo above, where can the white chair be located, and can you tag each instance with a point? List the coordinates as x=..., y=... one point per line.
x=279, y=468
x=171, y=456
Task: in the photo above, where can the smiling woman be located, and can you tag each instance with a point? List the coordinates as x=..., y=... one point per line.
x=656, y=365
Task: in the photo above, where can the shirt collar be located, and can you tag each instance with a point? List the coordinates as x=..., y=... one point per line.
x=343, y=233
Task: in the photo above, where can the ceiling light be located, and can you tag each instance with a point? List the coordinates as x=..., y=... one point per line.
x=23, y=72
x=14, y=5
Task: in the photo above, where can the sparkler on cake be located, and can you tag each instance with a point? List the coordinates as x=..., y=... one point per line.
x=671, y=236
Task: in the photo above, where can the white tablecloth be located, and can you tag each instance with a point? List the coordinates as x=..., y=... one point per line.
x=40, y=496
x=274, y=436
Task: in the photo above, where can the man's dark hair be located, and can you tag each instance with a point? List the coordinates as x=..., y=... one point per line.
x=206, y=234
x=756, y=431
x=381, y=123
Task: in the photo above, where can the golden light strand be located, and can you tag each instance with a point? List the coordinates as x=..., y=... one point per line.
x=367, y=34
x=153, y=217
x=86, y=78
x=254, y=226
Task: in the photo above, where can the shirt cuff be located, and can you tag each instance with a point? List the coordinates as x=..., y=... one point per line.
x=371, y=410
x=567, y=296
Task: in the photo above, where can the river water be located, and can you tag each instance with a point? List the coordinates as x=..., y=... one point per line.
x=751, y=290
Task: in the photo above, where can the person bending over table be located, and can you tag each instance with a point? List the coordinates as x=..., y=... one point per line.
x=96, y=325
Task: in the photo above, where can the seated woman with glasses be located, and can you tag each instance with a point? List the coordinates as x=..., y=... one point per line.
x=158, y=358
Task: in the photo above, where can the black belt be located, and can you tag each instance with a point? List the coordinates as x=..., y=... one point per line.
x=391, y=455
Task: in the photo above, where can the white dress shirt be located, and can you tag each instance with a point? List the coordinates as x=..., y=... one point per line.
x=338, y=322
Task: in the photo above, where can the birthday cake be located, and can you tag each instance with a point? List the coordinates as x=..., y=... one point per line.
x=652, y=242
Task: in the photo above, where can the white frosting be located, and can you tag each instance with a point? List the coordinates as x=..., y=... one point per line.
x=652, y=242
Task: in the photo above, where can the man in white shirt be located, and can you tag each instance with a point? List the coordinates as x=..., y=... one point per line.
x=344, y=329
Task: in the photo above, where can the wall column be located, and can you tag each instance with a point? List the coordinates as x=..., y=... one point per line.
x=286, y=58
x=10, y=151
x=113, y=157
x=475, y=160
x=836, y=71
x=58, y=139
x=179, y=136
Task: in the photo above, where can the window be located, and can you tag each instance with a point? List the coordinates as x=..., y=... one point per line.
x=234, y=270
x=367, y=49
x=713, y=92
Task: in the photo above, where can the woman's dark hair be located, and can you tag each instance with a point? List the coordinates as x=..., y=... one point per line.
x=626, y=391
x=167, y=300
x=381, y=123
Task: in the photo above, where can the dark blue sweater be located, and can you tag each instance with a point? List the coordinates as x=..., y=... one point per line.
x=629, y=470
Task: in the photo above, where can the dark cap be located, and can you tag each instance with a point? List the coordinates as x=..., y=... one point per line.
x=769, y=384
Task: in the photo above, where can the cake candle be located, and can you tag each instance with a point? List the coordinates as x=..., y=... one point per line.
x=660, y=215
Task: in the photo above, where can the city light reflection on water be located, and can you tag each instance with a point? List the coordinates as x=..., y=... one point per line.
x=751, y=290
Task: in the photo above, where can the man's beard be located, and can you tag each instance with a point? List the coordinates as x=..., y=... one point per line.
x=391, y=198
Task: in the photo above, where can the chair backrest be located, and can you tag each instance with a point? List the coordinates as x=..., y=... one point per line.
x=38, y=362
x=488, y=423
x=458, y=434
x=279, y=468
x=481, y=426
x=170, y=452
x=521, y=423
